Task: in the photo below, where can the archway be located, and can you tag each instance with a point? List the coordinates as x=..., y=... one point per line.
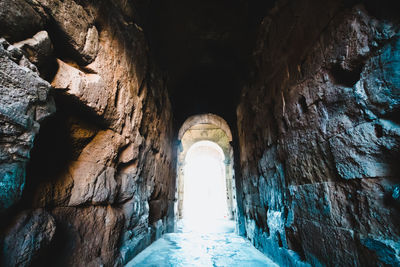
x=204, y=182
x=205, y=132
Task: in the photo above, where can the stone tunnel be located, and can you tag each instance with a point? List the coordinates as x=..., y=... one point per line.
x=103, y=103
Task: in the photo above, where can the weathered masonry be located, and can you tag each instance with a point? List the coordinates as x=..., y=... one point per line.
x=100, y=101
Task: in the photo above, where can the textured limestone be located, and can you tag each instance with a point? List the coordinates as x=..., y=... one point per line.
x=319, y=137
x=89, y=88
x=24, y=102
x=129, y=154
x=361, y=151
x=21, y=23
x=76, y=241
x=93, y=180
x=72, y=24
x=38, y=49
x=33, y=230
x=102, y=165
x=318, y=128
x=77, y=27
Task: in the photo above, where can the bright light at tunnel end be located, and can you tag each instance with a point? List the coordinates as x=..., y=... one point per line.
x=205, y=186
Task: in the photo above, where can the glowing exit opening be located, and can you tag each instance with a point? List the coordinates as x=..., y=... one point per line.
x=205, y=183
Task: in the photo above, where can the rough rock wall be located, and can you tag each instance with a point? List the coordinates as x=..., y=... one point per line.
x=319, y=131
x=24, y=103
x=100, y=170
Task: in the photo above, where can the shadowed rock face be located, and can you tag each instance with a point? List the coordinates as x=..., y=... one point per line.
x=319, y=150
x=92, y=94
x=101, y=166
x=31, y=232
x=25, y=101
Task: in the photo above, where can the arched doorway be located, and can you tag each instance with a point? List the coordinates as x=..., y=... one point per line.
x=209, y=137
x=204, y=182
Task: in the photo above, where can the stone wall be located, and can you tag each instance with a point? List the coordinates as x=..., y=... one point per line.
x=319, y=134
x=95, y=184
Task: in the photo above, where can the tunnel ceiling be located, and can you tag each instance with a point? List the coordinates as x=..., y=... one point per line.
x=205, y=48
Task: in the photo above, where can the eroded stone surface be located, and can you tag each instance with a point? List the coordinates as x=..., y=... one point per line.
x=21, y=23
x=33, y=230
x=318, y=129
x=87, y=236
x=77, y=27
x=103, y=164
x=24, y=102
x=39, y=51
x=319, y=138
x=89, y=88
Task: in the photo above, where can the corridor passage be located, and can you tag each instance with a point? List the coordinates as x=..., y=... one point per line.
x=213, y=244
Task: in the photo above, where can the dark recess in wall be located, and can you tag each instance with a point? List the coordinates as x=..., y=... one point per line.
x=54, y=147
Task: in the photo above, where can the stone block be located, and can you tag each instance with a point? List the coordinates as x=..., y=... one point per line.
x=32, y=231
